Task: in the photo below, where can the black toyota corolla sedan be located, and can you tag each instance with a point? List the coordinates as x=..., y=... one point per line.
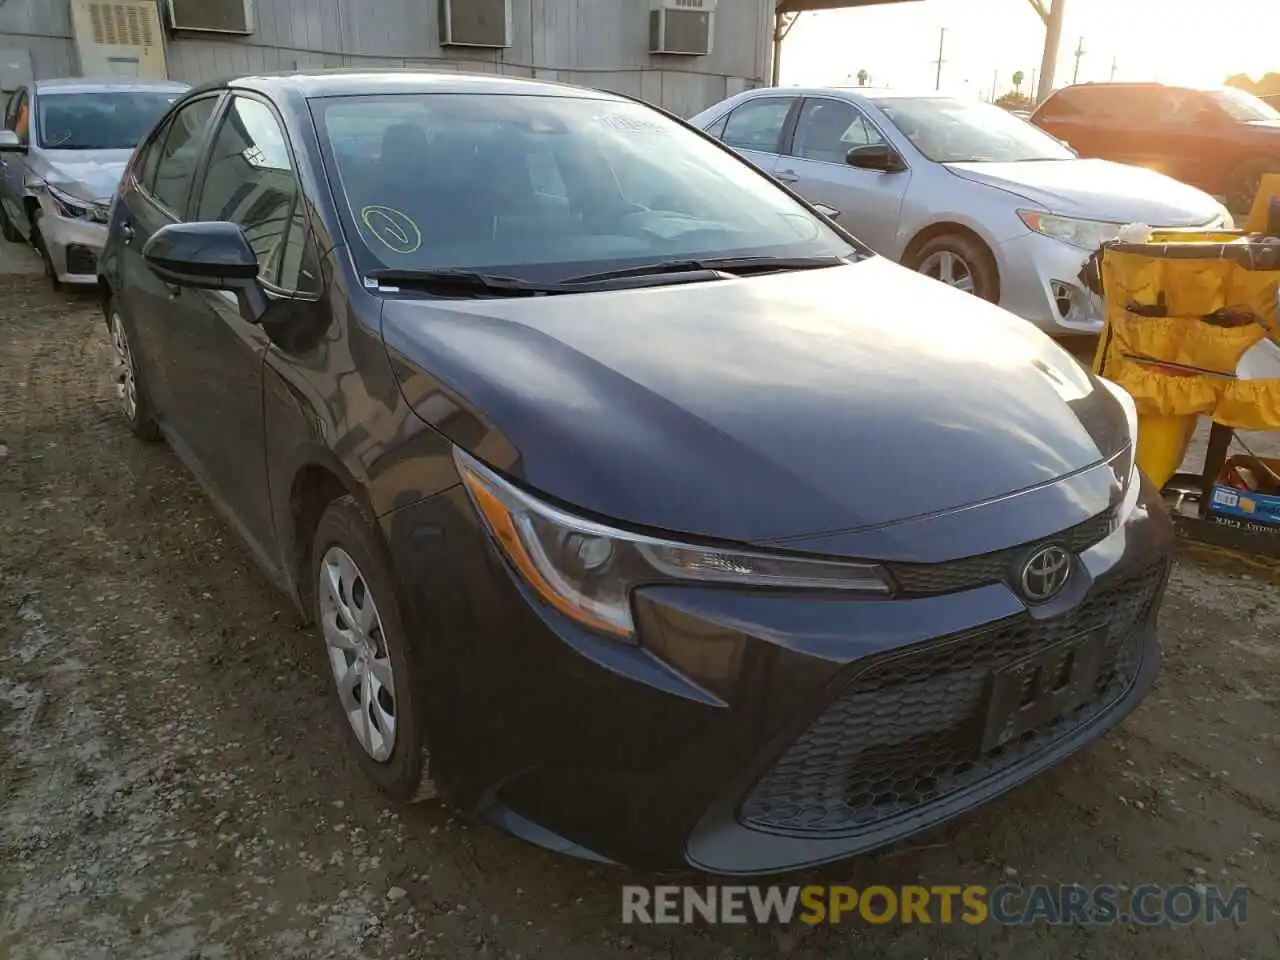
x=641, y=510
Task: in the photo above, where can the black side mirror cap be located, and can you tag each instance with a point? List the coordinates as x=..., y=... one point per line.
x=210, y=255
x=876, y=156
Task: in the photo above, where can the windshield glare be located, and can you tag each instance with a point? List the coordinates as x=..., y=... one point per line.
x=948, y=130
x=1242, y=105
x=547, y=187
x=109, y=120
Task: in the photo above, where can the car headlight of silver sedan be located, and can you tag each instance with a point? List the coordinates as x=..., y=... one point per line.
x=1085, y=234
x=73, y=208
x=587, y=570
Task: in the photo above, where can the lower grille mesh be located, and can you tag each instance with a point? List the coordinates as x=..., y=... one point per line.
x=906, y=731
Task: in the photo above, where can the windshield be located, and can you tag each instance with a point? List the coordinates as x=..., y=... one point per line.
x=547, y=188
x=1244, y=106
x=947, y=130
x=109, y=120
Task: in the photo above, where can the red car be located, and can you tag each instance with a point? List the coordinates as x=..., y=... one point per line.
x=1221, y=141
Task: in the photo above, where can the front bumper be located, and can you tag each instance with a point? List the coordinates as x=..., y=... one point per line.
x=1039, y=280
x=74, y=246
x=752, y=732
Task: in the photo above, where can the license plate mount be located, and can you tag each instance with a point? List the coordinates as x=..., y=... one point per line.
x=1041, y=687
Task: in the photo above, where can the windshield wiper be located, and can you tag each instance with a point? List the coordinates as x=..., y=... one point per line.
x=465, y=281
x=731, y=265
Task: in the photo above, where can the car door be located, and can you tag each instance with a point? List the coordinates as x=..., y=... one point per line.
x=249, y=179
x=155, y=193
x=868, y=202
x=13, y=165
x=755, y=129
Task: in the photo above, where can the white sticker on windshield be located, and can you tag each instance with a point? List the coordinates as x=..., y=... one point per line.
x=628, y=124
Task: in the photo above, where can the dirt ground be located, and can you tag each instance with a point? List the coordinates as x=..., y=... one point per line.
x=171, y=785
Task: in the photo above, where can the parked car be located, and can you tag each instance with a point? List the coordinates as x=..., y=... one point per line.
x=62, y=150
x=641, y=510
x=959, y=190
x=1222, y=141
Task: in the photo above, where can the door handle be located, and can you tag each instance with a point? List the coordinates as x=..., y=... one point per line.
x=126, y=231
x=174, y=290
x=786, y=176
x=830, y=212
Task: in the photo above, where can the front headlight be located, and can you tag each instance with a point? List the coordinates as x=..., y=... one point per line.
x=587, y=570
x=1085, y=234
x=73, y=208
x=1128, y=468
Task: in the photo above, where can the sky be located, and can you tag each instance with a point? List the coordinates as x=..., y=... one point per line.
x=1193, y=42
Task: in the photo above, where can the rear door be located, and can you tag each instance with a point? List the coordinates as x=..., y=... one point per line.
x=755, y=129
x=155, y=193
x=869, y=202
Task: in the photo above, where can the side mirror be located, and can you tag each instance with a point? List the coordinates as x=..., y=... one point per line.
x=9, y=142
x=213, y=255
x=876, y=156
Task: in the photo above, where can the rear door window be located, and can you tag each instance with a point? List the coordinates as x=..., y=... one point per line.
x=758, y=124
x=178, y=157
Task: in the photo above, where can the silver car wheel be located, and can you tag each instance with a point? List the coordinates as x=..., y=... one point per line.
x=950, y=268
x=126, y=376
x=358, y=653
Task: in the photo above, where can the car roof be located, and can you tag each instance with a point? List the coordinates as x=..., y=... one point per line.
x=105, y=84
x=343, y=82
x=855, y=93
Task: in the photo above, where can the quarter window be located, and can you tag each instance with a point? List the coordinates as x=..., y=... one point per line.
x=177, y=158
x=251, y=182
x=757, y=124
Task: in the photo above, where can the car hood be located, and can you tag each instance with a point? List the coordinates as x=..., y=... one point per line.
x=88, y=174
x=1097, y=190
x=756, y=409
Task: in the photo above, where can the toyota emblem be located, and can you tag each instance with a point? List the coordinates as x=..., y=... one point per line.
x=1045, y=573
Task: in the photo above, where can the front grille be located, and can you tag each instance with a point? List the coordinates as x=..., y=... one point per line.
x=927, y=579
x=907, y=730
x=81, y=260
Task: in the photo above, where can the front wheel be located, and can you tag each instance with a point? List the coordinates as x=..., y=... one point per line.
x=960, y=262
x=130, y=391
x=375, y=674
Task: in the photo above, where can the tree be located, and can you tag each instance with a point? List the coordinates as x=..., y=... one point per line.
x=1268, y=86
x=863, y=77
x=1018, y=77
x=1015, y=101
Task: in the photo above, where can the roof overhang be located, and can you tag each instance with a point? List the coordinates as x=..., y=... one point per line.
x=799, y=6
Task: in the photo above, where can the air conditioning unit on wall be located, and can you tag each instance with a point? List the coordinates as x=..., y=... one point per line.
x=211, y=16
x=475, y=23
x=682, y=27
x=118, y=38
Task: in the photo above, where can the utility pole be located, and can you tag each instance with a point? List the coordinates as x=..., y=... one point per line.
x=1080, y=52
x=942, y=39
x=995, y=86
x=1051, y=13
x=782, y=24
x=1115, y=65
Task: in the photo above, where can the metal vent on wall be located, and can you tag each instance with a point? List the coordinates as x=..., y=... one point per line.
x=121, y=24
x=475, y=23
x=212, y=16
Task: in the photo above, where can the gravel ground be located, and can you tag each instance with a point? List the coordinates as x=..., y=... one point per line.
x=170, y=784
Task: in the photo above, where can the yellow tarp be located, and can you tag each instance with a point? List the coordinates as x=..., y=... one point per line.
x=1171, y=399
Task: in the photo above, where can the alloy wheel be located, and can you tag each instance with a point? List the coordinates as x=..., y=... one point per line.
x=126, y=376
x=358, y=653
x=950, y=268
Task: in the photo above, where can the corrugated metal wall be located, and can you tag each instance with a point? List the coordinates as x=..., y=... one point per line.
x=600, y=43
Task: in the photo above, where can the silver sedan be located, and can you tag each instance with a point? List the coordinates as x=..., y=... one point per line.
x=960, y=190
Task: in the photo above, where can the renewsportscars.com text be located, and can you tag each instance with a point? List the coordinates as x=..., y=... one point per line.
x=1146, y=904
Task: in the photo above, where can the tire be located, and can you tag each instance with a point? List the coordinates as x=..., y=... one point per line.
x=969, y=263
x=50, y=271
x=7, y=229
x=135, y=406
x=1245, y=180
x=352, y=583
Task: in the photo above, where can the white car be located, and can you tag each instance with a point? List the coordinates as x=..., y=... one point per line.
x=960, y=190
